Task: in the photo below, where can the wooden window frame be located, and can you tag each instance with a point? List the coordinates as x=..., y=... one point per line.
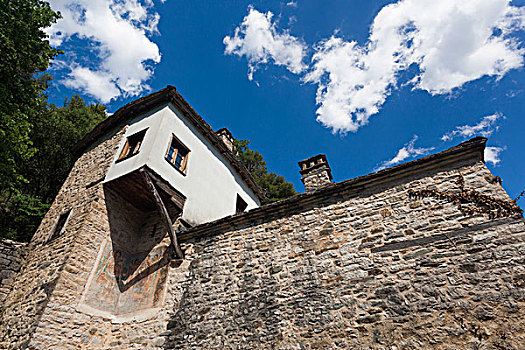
x=183, y=169
x=125, y=152
x=54, y=234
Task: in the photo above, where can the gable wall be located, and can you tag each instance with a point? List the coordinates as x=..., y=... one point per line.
x=210, y=184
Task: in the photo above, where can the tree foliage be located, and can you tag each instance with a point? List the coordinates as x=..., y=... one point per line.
x=55, y=131
x=24, y=51
x=274, y=186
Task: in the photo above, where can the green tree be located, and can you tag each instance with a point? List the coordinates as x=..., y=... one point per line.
x=274, y=186
x=25, y=51
x=55, y=131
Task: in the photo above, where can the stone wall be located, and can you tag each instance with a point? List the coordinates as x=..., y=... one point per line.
x=11, y=255
x=48, y=308
x=48, y=266
x=70, y=323
x=363, y=264
x=368, y=266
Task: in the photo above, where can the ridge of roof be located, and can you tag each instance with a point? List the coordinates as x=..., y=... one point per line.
x=167, y=95
x=472, y=149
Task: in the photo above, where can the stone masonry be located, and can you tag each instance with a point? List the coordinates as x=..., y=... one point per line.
x=361, y=264
x=11, y=255
x=315, y=172
x=43, y=310
x=55, y=268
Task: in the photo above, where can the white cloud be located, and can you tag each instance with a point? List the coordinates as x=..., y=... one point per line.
x=485, y=127
x=445, y=44
x=492, y=154
x=406, y=152
x=94, y=83
x=116, y=33
x=257, y=39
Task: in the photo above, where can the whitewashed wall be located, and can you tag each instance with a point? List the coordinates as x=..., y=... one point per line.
x=210, y=183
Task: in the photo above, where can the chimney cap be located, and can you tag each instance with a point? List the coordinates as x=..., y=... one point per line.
x=315, y=162
x=224, y=131
x=227, y=138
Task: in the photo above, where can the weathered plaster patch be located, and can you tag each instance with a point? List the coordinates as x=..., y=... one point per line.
x=129, y=288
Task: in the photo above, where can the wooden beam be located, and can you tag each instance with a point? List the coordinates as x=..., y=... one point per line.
x=163, y=213
x=177, y=198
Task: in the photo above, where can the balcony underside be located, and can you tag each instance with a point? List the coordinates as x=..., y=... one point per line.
x=134, y=189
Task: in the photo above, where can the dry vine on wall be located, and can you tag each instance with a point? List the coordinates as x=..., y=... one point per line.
x=471, y=202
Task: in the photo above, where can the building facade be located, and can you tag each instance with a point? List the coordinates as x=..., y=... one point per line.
x=158, y=240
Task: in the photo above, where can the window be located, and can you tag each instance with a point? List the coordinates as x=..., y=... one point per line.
x=59, y=225
x=177, y=154
x=132, y=145
x=241, y=205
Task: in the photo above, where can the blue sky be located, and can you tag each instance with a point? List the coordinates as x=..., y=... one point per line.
x=368, y=83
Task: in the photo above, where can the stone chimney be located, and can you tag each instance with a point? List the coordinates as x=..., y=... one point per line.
x=226, y=136
x=315, y=172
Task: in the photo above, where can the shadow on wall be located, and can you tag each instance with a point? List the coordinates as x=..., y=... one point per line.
x=135, y=234
x=132, y=269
